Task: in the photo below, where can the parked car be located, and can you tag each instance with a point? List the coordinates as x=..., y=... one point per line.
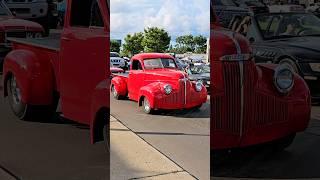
x=117, y=61
x=181, y=64
x=256, y=6
x=38, y=73
x=252, y=103
x=40, y=11
x=155, y=82
x=228, y=11
x=286, y=8
x=200, y=72
x=11, y=26
x=289, y=39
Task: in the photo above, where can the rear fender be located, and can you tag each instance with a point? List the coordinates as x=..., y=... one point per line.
x=120, y=84
x=34, y=76
x=100, y=111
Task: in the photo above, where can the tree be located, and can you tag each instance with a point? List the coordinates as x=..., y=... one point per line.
x=132, y=44
x=201, y=44
x=115, y=46
x=156, y=40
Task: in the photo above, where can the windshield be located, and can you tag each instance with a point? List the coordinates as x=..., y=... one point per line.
x=159, y=63
x=288, y=25
x=254, y=3
x=4, y=11
x=112, y=54
x=200, y=69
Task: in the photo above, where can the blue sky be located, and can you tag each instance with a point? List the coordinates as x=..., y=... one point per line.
x=178, y=17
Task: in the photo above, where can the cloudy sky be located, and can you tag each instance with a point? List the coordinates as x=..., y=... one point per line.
x=178, y=17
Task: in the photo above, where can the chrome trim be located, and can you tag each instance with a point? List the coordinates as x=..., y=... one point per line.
x=236, y=43
x=276, y=72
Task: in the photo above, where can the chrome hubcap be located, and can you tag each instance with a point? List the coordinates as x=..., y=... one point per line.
x=146, y=105
x=15, y=90
x=115, y=93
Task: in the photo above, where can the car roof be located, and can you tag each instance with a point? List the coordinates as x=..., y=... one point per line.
x=143, y=56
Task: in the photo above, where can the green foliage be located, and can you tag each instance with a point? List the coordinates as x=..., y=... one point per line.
x=156, y=40
x=189, y=43
x=115, y=46
x=133, y=44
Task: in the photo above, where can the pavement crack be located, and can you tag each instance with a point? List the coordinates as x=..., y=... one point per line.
x=8, y=172
x=161, y=174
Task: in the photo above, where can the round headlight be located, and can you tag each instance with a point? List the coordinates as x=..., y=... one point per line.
x=199, y=86
x=283, y=79
x=167, y=89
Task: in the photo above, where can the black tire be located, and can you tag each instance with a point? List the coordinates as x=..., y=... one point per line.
x=146, y=106
x=25, y=111
x=114, y=93
x=283, y=143
x=106, y=136
x=197, y=107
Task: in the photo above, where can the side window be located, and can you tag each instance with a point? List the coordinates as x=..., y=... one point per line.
x=96, y=17
x=81, y=13
x=274, y=26
x=136, y=65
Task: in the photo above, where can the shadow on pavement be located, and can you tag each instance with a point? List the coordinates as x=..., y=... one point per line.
x=300, y=160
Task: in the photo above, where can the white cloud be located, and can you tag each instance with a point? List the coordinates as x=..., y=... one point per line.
x=179, y=17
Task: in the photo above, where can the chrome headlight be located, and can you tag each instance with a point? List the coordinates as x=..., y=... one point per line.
x=167, y=89
x=283, y=78
x=315, y=67
x=199, y=86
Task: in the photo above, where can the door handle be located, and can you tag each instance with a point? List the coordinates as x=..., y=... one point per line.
x=66, y=39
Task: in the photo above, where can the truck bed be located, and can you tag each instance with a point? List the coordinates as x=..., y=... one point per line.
x=51, y=43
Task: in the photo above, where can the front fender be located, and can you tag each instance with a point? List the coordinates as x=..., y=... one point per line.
x=150, y=91
x=34, y=76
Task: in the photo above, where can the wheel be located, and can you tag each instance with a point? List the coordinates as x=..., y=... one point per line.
x=146, y=106
x=14, y=94
x=283, y=143
x=106, y=135
x=24, y=111
x=115, y=92
x=289, y=63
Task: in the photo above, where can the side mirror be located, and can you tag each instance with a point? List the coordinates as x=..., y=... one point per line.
x=251, y=40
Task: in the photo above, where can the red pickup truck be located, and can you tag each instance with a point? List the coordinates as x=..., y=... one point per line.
x=252, y=103
x=155, y=82
x=40, y=72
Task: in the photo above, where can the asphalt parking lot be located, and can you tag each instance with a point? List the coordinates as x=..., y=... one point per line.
x=182, y=136
x=58, y=149
x=301, y=160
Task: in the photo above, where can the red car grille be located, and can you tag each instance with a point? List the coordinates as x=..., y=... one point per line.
x=226, y=109
x=177, y=97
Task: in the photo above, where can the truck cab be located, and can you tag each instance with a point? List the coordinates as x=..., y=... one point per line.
x=38, y=73
x=155, y=82
x=252, y=103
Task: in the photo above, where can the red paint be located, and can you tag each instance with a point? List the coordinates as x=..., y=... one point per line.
x=150, y=82
x=267, y=114
x=75, y=71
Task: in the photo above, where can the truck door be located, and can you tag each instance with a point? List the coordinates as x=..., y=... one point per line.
x=135, y=80
x=83, y=56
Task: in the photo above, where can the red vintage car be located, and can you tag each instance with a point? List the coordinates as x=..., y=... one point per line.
x=155, y=82
x=252, y=103
x=73, y=69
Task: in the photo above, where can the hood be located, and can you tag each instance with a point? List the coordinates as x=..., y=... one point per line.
x=166, y=74
x=12, y=23
x=305, y=48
